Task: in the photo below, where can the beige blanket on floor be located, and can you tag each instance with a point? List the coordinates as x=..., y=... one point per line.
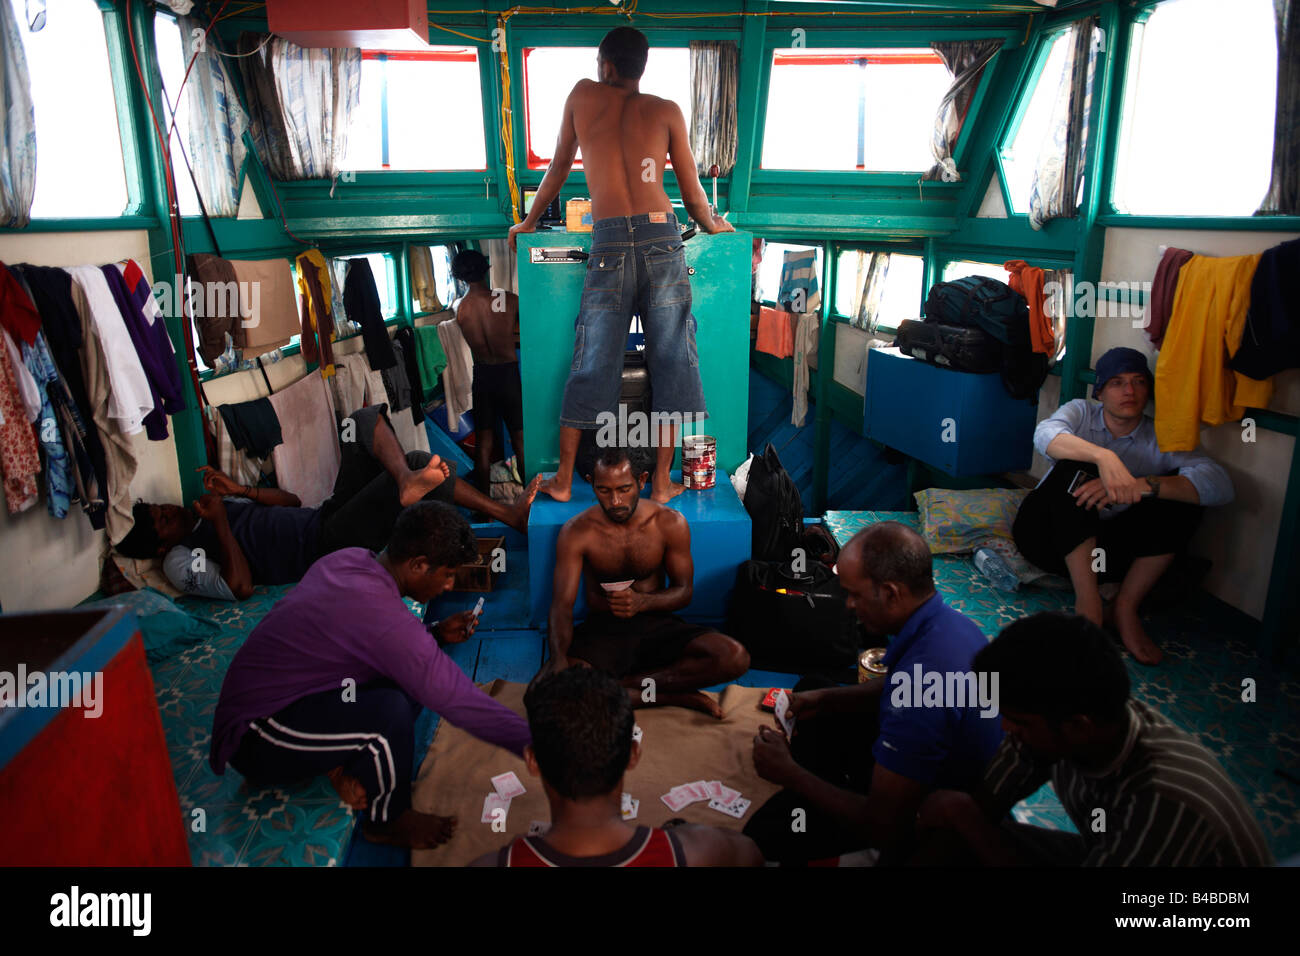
x=678, y=746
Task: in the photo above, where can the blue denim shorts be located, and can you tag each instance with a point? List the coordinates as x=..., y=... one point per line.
x=636, y=267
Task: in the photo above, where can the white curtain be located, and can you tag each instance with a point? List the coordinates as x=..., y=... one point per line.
x=301, y=103
x=17, y=128
x=217, y=123
x=1058, y=176
x=713, y=132
x=868, y=286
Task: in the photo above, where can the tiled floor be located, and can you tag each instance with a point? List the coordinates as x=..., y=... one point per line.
x=1199, y=687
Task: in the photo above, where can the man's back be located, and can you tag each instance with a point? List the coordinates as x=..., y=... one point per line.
x=488, y=319
x=626, y=139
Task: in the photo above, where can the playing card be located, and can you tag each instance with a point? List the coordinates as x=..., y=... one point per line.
x=631, y=808
x=491, y=803
x=737, y=809
x=538, y=828
x=675, y=799
x=508, y=785
x=783, y=715
x=611, y=586
x=700, y=788
x=728, y=795
x=715, y=789
x=636, y=733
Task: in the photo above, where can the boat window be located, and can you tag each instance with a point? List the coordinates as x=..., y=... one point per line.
x=418, y=110
x=173, y=60
x=853, y=109
x=442, y=280
x=551, y=72
x=1020, y=154
x=79, y=170
x=769, y=269
x=1197, y=127
x=901, y=297
x=961, y=268
x=385, y=272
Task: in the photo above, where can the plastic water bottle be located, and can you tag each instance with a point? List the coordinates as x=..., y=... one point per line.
x=995, y=570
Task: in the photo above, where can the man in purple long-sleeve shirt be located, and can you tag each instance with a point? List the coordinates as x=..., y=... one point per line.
x=333, y=678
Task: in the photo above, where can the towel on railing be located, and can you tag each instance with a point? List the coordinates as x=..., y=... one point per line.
x=775, y=333
x=458, y=376
x=307, y=461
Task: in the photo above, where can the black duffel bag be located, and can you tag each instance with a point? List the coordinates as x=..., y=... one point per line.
x=963, y=348
x=794, y=622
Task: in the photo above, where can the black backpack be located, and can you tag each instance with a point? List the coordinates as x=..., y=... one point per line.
x=792, y=621
x=775, y=508
x=1002, y=313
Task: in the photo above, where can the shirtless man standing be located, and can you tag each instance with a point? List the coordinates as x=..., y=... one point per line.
x=626, y=547
x=489, y=320
x=637, y=264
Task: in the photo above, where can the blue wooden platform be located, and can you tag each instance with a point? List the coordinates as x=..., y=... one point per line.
x=720, y=541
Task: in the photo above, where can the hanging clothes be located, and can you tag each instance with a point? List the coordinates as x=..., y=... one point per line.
x=421, y=386
x=432, y=356
x=1163, y=288
x=1271, y=339
x=60, y=486
x=423, y=286
x=806, y=336
x=252, y=426
x=775, y=335
x=119, y=458
x=314, y=291
x=307, y=461
x=130, y=398
x=28, y=390
x=269, y=307
x=1193, y=382
x=458, y=376
x=20, y=461
x=1028, y=281
x=152, y=345
x=799, y=281
x=239, y=465
x=396, y=382
x=349, y=383
x=361, y=301
x=220, y=313
x=51, y=292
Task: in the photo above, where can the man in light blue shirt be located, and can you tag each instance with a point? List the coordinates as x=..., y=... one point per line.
x=1115, y=507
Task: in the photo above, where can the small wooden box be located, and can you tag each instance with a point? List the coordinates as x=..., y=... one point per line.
x=478, y=576
x=577, y=213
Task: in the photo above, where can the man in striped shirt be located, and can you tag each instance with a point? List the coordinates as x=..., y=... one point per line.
x=1141, y=791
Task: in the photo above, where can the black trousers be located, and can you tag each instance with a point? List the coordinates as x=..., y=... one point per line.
x=372, y=738
x=363, y=508
x=1050, y=524
x=837, y=748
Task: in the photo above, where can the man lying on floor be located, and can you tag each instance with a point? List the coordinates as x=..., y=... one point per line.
x=221, y=547
x=863, y=757
x=1141, y=791
x=625, y=546
x=581, y=722
x=333, y=678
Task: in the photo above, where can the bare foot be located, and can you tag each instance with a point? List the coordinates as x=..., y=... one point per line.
x=665, y=490
x=523, y=505
x=1134, y=636
x=348, y=788
x=691, y=700
x=414, y=830
x=414, y=485
x=560, y=491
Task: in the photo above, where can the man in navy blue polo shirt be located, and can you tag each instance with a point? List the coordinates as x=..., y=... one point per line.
x=864, y=757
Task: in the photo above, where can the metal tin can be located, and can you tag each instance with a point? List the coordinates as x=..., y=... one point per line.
x=870, y=665
x=699, y=461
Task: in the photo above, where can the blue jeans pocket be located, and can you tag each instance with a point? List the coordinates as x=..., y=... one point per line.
x=602, y=290
x=666, y=268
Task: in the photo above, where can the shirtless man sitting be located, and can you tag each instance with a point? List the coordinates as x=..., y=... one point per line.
x=637, y=264
x=625, y=547
x=489, y=320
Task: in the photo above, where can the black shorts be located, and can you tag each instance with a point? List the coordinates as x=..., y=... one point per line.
x=632, y=645
x=497, y=393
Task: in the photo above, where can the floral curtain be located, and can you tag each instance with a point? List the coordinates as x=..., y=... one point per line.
x=217, y=123
x=713, y=134
x=17, y=126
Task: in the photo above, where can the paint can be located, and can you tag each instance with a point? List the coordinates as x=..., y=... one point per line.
x=699, y=461
x=871, y=665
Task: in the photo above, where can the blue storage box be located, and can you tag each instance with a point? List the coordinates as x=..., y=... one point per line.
x=959, y=422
